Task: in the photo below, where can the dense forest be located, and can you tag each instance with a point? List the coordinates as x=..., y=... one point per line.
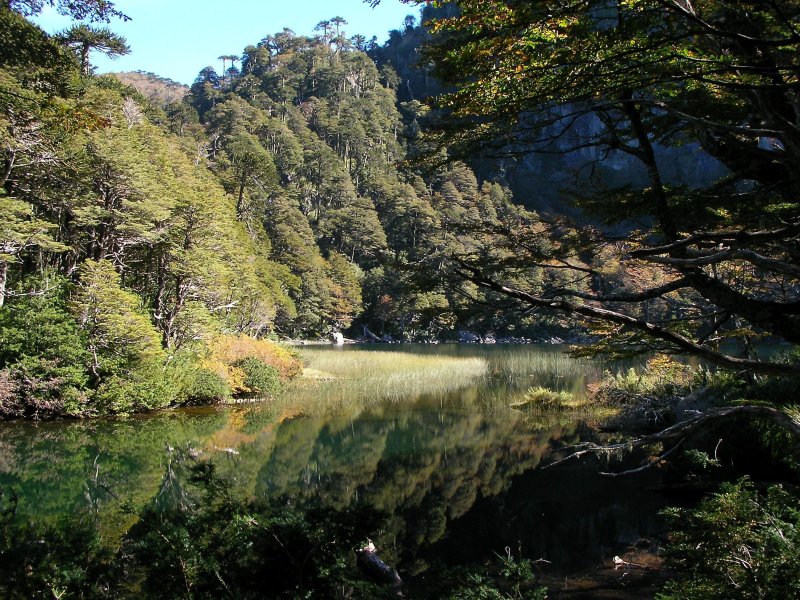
x=328, y=184
x=142, y=232
x=621, y=173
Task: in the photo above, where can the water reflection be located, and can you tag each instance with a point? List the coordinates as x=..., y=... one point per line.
x=457, y=475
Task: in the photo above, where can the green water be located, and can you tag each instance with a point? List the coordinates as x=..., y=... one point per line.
x=456, y=470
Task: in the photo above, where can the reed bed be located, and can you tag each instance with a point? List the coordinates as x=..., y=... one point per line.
x=536, y=363
x=335, y=378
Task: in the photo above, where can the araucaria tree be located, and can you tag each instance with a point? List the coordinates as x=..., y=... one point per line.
x=688, y=266
x=84, y=38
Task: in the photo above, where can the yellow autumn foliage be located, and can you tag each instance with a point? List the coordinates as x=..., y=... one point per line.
x=225, y=350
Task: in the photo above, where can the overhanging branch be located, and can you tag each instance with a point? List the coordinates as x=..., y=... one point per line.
x=679, y=342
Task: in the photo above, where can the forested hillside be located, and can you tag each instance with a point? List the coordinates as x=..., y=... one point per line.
x=153, y=87
x=565, y=164
x=141, y=234
x=307, y=190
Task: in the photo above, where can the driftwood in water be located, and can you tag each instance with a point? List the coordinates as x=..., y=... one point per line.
x=374, y=568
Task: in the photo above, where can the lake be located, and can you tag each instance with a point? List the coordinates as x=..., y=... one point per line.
x=422, y=433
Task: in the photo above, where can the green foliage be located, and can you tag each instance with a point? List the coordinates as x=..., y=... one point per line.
x=146, y=387
x=282, y=211
x=83, y=38
x=516, y=581
x=661, y=376
x=260, y=378
x=36, y=60
x=204, y=387
x=648, y=84
x=201, y=543
x=217, y=545
x=120, y=336
x=91, y=10
x=44, y=352
x=737, y=544
x=66, y=559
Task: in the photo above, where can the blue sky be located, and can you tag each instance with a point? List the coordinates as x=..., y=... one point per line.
x=177, y=38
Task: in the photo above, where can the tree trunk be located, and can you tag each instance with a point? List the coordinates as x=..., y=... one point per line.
x=3, y=279
x=241, y=198
x=85, y=58
x=8, y=166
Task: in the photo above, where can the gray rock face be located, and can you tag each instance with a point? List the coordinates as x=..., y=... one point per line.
x=338, y=338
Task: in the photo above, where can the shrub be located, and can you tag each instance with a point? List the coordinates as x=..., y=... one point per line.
x=204, y=387
x=45, y=388
x=147, y=387
x=260, y=378
x=514, y=580
x=43, y=353
x=661, y=375
x=225, y=350
x=542, y=397
x=737, y=544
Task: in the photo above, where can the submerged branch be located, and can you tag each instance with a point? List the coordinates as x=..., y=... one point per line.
x=680, y=431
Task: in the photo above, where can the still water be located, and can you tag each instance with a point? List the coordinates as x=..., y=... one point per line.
x=455, y=467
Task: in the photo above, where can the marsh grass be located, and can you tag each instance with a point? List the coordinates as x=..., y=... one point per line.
x=539, y=400
x=358, y=377
x=333, y=379
x=544, y=398
x=535, y=363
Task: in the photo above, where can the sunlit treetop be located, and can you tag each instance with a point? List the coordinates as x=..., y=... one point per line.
x=88, y=10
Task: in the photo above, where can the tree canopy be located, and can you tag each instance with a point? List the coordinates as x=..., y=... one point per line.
x=90, y=10
x=631, y=78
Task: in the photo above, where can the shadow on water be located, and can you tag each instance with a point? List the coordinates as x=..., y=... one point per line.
x=457, y=475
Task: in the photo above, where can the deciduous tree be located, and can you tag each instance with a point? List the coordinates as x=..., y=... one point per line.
x=644, y=74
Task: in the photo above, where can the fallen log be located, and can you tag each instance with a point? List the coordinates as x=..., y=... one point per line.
x=374, y=568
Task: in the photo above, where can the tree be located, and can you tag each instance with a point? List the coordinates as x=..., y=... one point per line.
x=225, y=58
x=20, y=231
x=91, y=10
x=632, y=77
x=84, y=38
x=119, y=334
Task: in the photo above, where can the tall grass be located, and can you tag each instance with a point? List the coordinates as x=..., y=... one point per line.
x=335, y=378
x=534, y=363
x=356, y=377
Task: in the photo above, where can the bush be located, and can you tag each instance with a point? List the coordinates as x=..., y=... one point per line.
x=225, y=350
x=260, y=378
x=204, y=387
x=42, y=353
x=46, y=388
x=661, y=376
x=738, y=544
x=545, y=398
x=513, y=579
x=147, y=387
x=225, y=547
